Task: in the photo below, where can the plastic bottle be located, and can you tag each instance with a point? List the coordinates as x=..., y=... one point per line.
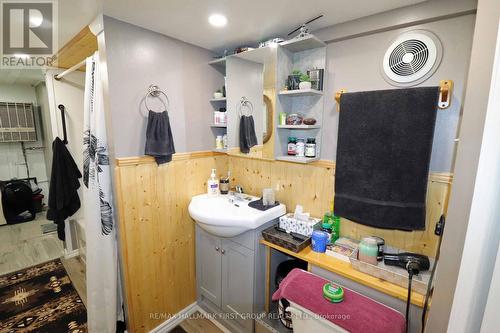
x=213, y=185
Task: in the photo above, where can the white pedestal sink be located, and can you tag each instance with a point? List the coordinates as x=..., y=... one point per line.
x=230, y=215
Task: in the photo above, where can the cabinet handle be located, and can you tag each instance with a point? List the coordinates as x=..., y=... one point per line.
x=223, y=251
x=217, y=248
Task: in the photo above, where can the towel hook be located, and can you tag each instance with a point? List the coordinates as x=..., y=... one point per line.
x=245, y=103
x=445, y=89
x=337, y=96
x=155, y=91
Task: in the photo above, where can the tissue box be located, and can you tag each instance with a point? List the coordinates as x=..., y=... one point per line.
x=291, y=224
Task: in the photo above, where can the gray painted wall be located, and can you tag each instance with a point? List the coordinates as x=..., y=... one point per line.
x=355, y=64
x=467, y=191
x=244, y=79
x=136, y=58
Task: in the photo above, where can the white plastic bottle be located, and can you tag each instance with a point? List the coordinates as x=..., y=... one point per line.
x=213, y=185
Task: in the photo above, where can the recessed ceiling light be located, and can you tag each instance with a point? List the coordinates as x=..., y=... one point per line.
x=217, y=20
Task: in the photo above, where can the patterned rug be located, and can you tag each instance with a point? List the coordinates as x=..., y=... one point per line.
x=41, y=299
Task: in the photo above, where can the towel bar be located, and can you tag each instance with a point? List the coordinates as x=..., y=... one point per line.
x=444, y=101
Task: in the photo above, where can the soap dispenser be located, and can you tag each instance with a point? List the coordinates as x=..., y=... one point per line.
x=212, y=185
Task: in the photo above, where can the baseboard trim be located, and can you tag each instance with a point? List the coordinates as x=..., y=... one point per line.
x=176, y=319
x=179, y=317
x=71, y=254
x=212, y=319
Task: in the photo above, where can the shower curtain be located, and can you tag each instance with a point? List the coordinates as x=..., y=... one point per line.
x=103, y=293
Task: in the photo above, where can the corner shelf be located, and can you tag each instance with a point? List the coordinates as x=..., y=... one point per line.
x=295, y=159
x=222, y=99
x=218, y=125
x=299, y=127
x=302, y=44
x=301, y=92
x=219, y=64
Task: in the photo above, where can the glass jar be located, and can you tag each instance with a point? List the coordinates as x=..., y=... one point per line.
x=310, y=149
x=292, y=146
x=368, y=250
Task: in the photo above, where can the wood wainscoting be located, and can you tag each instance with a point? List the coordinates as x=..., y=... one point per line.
x=312, y=186
x=157, y=233
x=157, y=238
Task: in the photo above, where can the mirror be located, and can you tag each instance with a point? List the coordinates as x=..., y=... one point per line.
x=268, y=119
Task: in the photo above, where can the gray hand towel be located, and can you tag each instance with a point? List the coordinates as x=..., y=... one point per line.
x=248, y=139
x=159, y=140
x=383, y=154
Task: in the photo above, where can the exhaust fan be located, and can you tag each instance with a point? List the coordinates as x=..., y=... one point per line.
x=412, y=58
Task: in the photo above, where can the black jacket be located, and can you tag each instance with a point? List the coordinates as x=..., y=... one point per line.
x=64, y=183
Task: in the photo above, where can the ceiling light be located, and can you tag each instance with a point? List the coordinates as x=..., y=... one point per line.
x=217, y=20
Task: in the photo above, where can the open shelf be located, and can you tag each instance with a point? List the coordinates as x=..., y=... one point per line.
x=222, y=99
x=296, y=159
x=299, y=127
x=218, y=125
x=262, y=55
x=219, y=64
x=301, y=92
x=303, y=44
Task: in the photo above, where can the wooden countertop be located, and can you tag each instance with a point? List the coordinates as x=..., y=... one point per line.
x=345, y=269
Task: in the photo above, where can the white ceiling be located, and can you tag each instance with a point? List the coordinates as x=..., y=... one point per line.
x=248, y=21
x=21, y=76
x=73, y=16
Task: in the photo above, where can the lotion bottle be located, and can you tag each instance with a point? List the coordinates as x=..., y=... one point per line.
x=212, y=185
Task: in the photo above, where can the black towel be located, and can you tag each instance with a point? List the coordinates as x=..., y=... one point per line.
x=64, y=183
x=159, y=139
x=383, y=155
x=248, y=139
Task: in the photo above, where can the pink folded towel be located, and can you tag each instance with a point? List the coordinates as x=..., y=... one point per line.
x=356, y=313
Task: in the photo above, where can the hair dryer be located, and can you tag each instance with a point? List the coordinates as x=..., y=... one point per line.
x=412, y=262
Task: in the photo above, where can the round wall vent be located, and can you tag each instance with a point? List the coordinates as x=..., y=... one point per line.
x=412, y=58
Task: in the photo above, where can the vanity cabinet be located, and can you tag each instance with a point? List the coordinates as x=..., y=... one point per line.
x=230, y=277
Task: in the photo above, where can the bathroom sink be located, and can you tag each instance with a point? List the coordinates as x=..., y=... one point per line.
x=229, y=215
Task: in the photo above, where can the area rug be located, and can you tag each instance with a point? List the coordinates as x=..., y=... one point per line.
x=41, y=299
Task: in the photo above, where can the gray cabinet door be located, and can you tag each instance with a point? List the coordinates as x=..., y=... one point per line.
x=237, y=282
x=209, y=267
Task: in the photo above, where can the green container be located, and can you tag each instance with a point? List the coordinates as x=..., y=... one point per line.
x=335, y=228
x=333, y=293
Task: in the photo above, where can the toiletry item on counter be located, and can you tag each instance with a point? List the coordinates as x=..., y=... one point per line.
x=213, y=184
x=381, y=247
x=304, y=227
x=309, y=121
x=268, y=197
x=292, y=146
x=219, y=143
x=332, y=292
x=368, y=251
x=342, y=248
x=282, y=118
x=224, y=184
x=300, y=147
x=294, y=119
x=316, y=76
x=310, y=147
x=319, y=240
x=335, y=227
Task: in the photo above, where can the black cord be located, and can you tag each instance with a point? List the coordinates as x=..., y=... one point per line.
x=408, y=299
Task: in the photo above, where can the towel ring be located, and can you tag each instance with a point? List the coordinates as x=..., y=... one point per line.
x=245, y=103
x=155, y=91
